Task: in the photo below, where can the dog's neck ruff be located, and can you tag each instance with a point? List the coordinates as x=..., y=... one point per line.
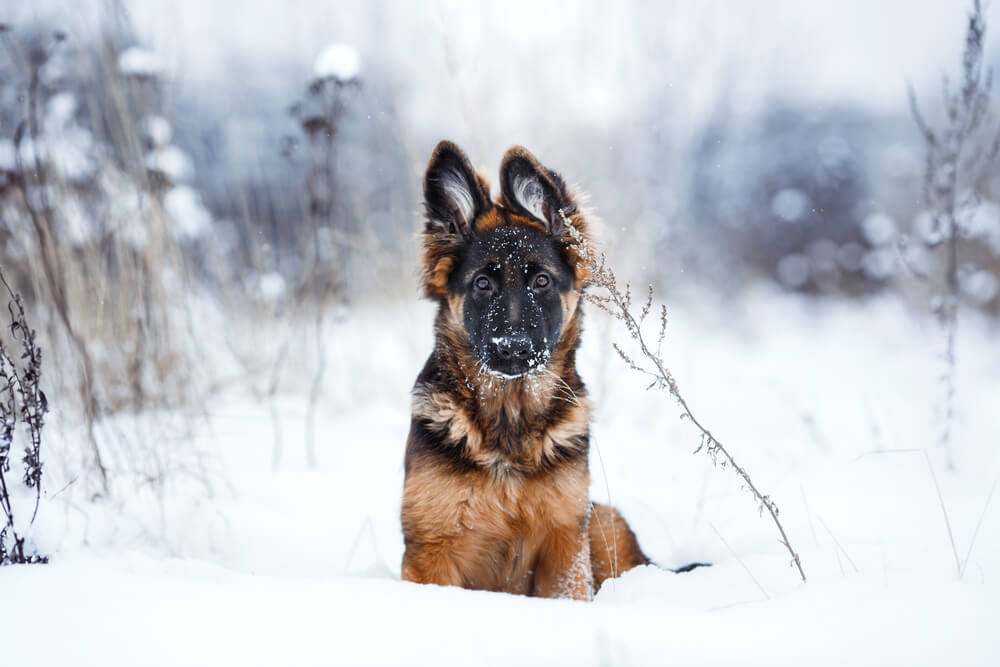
x=524, y=424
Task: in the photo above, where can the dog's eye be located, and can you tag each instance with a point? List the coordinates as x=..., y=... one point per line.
x=542, y=281
x=482, y=283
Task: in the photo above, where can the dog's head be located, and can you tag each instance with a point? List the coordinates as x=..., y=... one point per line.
x=506, y=273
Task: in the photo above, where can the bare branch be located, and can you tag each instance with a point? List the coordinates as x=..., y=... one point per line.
x=21, y=400
x=618, y=302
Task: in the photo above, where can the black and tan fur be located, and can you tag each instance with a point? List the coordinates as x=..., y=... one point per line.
x=497, y=477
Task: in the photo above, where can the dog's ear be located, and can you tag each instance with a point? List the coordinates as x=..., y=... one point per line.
x=534, y=191
x=454, y=195
x=528, y=188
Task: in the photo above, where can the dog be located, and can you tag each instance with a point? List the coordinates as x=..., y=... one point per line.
x=496, y=469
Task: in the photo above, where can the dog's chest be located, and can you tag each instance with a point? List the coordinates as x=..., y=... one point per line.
x=494, y=526
x=508, y=522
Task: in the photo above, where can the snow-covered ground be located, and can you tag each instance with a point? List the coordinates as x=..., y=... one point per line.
x=283, y=563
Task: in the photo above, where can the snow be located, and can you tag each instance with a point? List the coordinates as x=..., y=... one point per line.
x=271, y=286
x=8, y=155
x=71, y=153
x=158, y=131
x=338, y=61
x=981, y=286
x=61, y=110
x=790, y=204
x=190, y=217
x=879, y=263
x=172, y=162
x=65, y=146
x=78, y=227
x=879, y=229
x=985, y=224
x=140, y=62
x=284, y=563
x=216, y=616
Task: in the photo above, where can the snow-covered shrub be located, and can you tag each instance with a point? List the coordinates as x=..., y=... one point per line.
x=98, y=211
x=960, y=164
x=318, y=113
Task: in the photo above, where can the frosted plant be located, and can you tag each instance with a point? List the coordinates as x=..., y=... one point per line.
x=21, y=401
x=954, y=161
x=617, y=302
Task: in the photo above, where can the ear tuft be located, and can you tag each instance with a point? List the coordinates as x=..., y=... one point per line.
x=454, y=195
x=532, y=190
x=528, y=192
x=539, y=193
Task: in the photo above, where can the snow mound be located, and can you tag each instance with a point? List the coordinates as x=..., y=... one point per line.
x=337, y=61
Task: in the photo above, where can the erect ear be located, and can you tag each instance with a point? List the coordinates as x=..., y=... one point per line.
x=532, y=190
x=453, y=194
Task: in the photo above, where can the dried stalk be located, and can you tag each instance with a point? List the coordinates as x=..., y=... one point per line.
x=617, y=302
x=21, y=400
x=947, y=170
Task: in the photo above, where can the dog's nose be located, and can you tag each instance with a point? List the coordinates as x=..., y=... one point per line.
x=514, y=347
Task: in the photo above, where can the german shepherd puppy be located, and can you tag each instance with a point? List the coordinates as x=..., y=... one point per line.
x=496, y=490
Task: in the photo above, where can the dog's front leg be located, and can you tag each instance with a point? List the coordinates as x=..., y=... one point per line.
x=431, y=564
x=563, y=569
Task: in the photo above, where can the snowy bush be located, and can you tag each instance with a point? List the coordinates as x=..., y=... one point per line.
x=956, y=169
x=319, y=113
x=98, y=212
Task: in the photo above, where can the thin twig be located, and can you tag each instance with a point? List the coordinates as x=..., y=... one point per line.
x=805, y=502
x=975, y=533
x=840, y=547
x=618, y=303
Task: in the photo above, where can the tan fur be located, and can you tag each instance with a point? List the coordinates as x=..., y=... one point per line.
x=437, y=278
x=570, y=301
x=497, y=532
x=492, y=219
x=613, y=546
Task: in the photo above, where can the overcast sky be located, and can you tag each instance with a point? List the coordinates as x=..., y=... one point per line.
x=487, y=72
x=862, y=50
